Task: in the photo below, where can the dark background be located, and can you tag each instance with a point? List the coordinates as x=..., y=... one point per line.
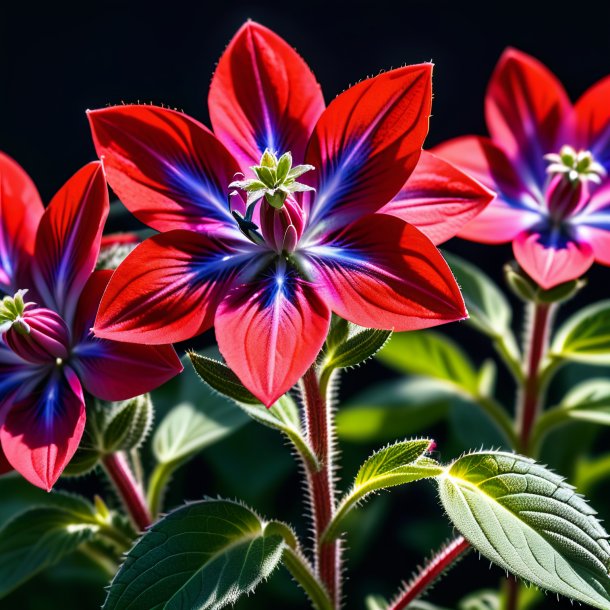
x=58, y=61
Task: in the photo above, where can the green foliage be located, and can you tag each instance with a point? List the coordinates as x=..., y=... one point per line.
x=40, y=537
x=530, y=522
x=585, y=337
x=397, y=464
x=589, y=401
x=202, y=556
x=356, y=347
x=393, y=409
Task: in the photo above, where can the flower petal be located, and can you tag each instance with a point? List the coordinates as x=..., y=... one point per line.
x=168, y=288
x=271, y=330
x=593, y=121
x=41, y=432
x=5, y=465
x=263, y=95
x=68, y=239
x=368, y=141
x=20, y=213
x=381, y=272
x=550, y=259
x=168, y=169
x=112, y=370
x=513, y=210
x=528, y=113
x=438, y=199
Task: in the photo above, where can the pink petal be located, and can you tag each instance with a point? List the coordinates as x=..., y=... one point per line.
x=438, y=199
x=111, y=370
x=68, y=239
x=271, y=330
x=513, y=210
x=263, y=95
x=528, y=113
x=593, y=121
x=168, y=288
x=368, y=141
x=168, y=169
x=551, y=261
x=20, y=213
x=381, y=272
x=41, y=432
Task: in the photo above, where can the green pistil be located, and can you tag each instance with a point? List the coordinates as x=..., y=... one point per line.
x=11, y=313
x=577, y=166
x=275, y=180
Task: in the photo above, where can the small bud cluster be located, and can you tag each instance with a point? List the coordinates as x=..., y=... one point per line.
x=577, y=166
x=275, y=180
x=11, y=313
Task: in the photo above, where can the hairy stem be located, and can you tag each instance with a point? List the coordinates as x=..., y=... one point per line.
x=441, y=562
x=131, y=494
x=320, y=482
x=536, y=345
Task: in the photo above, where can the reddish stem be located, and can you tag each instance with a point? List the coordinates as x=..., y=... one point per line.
x=321, y=484
x=430, y=572
x=512, y=593
x=128, y=489
x=531, y=394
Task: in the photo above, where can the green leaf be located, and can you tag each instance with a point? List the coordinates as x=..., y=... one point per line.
x=589, y=401
x=397, y=464
x=202, y=556
x=375, y=602
x=585, y=337
x=488, y=308
x=357, y=348
x=186, y=430
x=220, y=377
x=393, y=409
x=128, y=423
x=530, y=522
x=40, y=537
x=432, y=355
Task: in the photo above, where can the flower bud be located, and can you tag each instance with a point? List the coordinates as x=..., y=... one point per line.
x=282, y=227
x=565, y=198
x=39, y=336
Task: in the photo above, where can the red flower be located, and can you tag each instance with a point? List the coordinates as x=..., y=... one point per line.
x=548, y=161
x=49, y=357
x=321, y=229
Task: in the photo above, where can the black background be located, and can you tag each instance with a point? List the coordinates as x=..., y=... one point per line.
x=58, y=60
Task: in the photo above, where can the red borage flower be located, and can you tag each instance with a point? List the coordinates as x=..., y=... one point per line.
x=549, y=162
x=313, y=222
x=48, y=354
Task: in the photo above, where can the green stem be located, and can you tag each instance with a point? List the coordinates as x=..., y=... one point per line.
x=508, y=357
x=157, y=486
x=547, y=420
x=303, y=573
x=500, y=417
x=107, y=564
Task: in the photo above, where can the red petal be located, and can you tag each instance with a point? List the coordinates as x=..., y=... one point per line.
x=528, y=113
x=593, y=121
x=168, y=169
x=513, y=210
x=381, y=272
x=167, y=289
x=550, y=264
x=20, y=213
x=41, y=432
x=68, y=239
x=438, y=199
x=270, y=331
x=263, y=95
x=368, y=141
x=111, y=370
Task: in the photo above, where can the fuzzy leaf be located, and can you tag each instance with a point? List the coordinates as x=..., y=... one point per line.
x=589, y=401
x=585, y=337
x=220, y=377
x=488, y=308
x=128, y=424
x=202, y=556
x=397, y=464
x=530, y=522
x=357, y=348
x=40, y=537
x=432, y=355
